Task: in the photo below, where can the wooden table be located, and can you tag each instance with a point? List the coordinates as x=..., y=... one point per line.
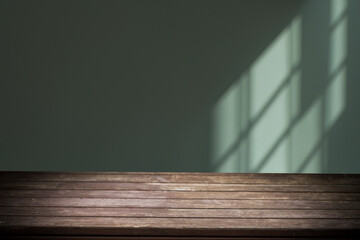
x=104, y=205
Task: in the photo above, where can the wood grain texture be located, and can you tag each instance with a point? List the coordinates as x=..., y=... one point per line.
x=173, y=226
x=177, y=212
x=169, y=205
x=164, y=177
x=202, y=187
x=110, y=194
x=179, y=203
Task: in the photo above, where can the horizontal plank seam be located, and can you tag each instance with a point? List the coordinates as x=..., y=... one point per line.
x=338, y=209
x=189, y=199
x=145, y=190
x=189, y=183
x=223, y=199
x=70, y=216
x=186, y=199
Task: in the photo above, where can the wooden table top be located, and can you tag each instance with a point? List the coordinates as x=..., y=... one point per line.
x=107, y=204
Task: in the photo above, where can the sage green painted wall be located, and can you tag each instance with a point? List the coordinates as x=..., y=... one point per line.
x=179, y=86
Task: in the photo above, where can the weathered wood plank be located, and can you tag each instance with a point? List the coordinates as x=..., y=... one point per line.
x=178, y=203
x=179, y=195
x=175, y=187
x=180, y=213
x=146, y=177
x=119, y=224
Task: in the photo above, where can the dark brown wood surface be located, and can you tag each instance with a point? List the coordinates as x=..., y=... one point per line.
x=197, y=205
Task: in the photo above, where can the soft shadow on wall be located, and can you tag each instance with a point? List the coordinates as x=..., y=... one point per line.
x=293, y=109
x=123, y=85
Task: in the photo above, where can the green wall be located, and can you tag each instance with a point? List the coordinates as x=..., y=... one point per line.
x=233, y=86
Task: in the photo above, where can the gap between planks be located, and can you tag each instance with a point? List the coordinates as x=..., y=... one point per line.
x=118, y=224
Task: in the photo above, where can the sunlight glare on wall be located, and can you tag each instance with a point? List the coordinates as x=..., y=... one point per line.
x=269, y=71
x=266, y=95
x=259, y=125
x=335, y=94
x=305, y=135
x=275, y=84
x=230, y=119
